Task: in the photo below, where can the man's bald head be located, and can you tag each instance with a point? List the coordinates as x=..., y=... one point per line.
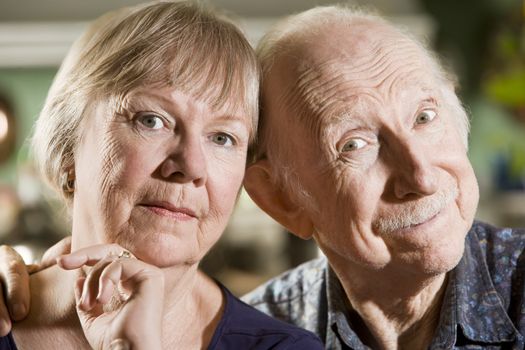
x=302, y=48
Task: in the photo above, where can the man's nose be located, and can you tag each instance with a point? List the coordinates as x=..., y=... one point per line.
x=415, y=175
x=186, y=162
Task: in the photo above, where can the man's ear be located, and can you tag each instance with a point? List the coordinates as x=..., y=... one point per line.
x=275, y=201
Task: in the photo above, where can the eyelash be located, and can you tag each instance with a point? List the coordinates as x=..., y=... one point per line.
x=139, y=117
x=231, y=138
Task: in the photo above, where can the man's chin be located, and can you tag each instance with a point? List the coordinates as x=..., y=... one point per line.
x=438, y=260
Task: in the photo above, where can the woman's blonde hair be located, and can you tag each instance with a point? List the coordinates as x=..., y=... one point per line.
x=181, y=44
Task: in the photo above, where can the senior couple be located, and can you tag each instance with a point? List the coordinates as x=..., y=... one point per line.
x=362, y=146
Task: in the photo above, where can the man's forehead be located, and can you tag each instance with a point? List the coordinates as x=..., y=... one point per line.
x=320, y=80
x=353, y=40
x=333, y=72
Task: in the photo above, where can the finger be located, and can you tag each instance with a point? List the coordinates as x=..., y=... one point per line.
x=85, y=316
x=138, y=276
x=91, y=284
x=32, y=268
x=15, y=279
x=50, y=256
x=79, y=285
x=88, y=256
x=119, y=344
x=5, y=321
x=109, y=279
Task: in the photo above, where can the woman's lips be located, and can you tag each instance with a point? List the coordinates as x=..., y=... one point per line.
x=168, y=210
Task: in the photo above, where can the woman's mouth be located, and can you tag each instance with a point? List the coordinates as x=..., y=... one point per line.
x=166, y=209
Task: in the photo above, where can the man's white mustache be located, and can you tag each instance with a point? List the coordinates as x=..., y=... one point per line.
x=416, y=212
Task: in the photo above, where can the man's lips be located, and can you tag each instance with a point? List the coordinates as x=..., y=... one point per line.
x=167, y=209
x=425, y=221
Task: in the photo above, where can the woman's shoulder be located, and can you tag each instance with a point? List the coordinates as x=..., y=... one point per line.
x=242, y=326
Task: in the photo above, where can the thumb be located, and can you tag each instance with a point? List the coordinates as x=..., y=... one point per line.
x=60, y=248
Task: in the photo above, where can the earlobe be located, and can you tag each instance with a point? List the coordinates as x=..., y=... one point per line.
x=275, y=201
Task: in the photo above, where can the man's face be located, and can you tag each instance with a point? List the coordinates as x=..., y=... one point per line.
x=377, y=145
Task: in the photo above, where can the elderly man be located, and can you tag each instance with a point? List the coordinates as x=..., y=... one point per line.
x=363, y=147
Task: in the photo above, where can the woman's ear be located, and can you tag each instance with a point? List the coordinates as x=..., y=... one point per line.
x=275, y=201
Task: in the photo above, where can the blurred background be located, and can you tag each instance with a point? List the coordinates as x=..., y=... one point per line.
x=483, y=41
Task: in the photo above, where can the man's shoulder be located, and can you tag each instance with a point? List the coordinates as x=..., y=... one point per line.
x=297, y=296
x=502, y=251
x=499, y=240
x=308, y=278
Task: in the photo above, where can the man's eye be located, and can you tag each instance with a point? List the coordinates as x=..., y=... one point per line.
x=353, y=144
x=426, y=116
x=222, y=139
x=151, y=121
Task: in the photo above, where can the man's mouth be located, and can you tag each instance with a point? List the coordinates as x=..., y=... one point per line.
x=416, y=214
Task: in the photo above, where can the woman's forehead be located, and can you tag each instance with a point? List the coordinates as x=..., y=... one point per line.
x=168, y=95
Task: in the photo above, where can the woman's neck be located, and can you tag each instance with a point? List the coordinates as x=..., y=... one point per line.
x=194, y=306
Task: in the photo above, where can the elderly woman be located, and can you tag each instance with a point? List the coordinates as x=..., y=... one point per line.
x=145, y=134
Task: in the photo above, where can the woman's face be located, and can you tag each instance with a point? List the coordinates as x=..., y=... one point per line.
x=160, y=179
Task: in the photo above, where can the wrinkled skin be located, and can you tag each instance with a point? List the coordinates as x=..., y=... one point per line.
x=375, y=141
x=375, y=135
x=165, y=150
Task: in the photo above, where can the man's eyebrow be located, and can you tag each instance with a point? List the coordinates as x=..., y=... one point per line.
x=430, y=99
x=350, y=111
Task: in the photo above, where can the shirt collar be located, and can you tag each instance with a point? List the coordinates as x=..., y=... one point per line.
x=470, y=302
x=339, y=328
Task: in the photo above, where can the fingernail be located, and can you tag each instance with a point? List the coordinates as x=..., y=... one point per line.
x=18, y=311
x=119, y=344
x=5, y=326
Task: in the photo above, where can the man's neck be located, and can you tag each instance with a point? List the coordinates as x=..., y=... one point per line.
x=395, y=311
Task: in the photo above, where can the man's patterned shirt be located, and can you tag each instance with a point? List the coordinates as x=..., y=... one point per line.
x=483, y=305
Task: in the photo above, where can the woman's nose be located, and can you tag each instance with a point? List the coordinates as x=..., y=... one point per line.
x=186, y=163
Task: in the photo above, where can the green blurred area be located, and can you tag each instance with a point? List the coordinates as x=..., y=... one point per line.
x=482, y=40
x=26, y=89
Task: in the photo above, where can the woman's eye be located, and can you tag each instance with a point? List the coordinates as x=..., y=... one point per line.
x=222, y=139
x=151, y=121
x=425, y=116
x=353, y=144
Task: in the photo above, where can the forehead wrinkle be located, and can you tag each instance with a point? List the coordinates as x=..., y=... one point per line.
x=313, y=96
x=317, y=84
x=353, y=115
x=322, y=85
x=316, y=95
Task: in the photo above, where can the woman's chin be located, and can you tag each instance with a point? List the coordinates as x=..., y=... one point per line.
x=165, y=258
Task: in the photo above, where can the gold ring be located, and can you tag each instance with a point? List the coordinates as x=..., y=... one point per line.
x=125, y=254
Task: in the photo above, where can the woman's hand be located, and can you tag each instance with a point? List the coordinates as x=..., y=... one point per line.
x=120, y=301
x=14, y=281
x=14, y=288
